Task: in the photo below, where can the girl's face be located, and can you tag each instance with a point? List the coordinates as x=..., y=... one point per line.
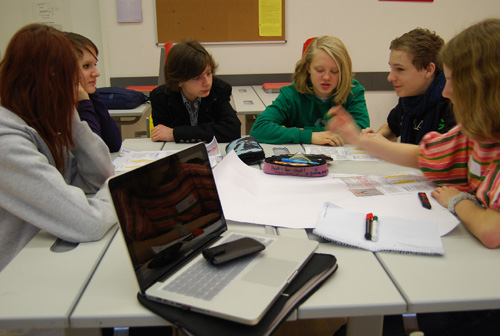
x=447, y=90
x=324, y=74
x=88, y=66
x=198, y=86
x=404, y=76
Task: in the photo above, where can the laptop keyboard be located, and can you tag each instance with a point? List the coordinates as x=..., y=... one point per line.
x=204, y=281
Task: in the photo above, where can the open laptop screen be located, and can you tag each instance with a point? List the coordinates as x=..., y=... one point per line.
x=167, y=210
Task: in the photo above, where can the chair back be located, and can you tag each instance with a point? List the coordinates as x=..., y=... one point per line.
x=161, y=77
x=306, y=44
x=163, y=58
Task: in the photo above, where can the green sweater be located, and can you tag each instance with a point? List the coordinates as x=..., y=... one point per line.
x=294, y=116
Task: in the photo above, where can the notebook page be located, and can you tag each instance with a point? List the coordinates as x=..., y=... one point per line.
x=394, y=234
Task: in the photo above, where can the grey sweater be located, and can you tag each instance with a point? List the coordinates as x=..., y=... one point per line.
x=35, y=196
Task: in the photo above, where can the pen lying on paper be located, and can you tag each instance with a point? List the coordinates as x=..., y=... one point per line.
x=424, y=200
x=371, y=227
x=375, y=227
x=368, y=226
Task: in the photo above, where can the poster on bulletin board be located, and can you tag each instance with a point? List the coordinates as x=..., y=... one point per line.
x=226, y=21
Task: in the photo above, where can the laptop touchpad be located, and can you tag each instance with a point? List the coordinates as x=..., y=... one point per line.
x=270, y=271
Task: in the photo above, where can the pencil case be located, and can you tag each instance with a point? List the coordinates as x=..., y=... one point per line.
x=248, y=150
x=310, y=165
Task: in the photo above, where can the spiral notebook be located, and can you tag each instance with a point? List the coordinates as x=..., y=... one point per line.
x=394, y=234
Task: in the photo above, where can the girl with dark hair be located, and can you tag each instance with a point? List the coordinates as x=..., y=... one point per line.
x=49, y=159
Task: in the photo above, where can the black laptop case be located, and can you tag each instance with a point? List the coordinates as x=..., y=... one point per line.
x=319, y=268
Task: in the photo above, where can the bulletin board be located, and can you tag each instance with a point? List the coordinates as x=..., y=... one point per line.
x=213, y=21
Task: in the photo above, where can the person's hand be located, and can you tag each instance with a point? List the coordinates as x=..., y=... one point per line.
x=367, y=130
x=327, y=138
x=82, y=94
x=162, y=133
x=342, y=123
x=443, y=194
x=368, y=133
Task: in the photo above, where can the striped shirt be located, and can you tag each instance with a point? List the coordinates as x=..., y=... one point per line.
x=452, y=159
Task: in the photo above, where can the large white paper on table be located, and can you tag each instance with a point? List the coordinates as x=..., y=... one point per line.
x=249, y=195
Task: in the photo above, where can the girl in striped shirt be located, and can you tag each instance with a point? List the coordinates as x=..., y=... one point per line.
x=463, y=162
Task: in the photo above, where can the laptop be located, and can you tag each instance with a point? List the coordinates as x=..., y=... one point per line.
x=169, y=212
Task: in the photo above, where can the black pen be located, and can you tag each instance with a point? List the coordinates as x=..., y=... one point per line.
x=424, y=200
x=369, y=226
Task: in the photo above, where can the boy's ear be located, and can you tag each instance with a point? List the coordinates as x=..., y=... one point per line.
x=430, y=68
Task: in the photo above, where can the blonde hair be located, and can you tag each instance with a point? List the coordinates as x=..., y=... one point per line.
x=473, y=59
x=338, y=52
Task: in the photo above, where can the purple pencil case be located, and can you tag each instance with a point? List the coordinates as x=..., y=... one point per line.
x=309, y=165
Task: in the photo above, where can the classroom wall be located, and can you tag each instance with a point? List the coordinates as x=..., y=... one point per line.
x=80, y=16
x=365, y=26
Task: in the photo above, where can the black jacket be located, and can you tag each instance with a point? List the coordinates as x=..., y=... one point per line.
x=416, y=116
x=216, y=117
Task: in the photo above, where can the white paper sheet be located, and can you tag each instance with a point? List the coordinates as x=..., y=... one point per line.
x=251, y=196
x=129, y=160
x=346, y=152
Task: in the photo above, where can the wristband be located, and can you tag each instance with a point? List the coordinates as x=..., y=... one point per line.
x=453, y=201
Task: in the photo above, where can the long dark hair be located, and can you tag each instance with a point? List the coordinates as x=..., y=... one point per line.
x=38, y=78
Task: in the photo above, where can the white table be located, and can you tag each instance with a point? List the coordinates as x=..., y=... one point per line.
x=247, y=105
x=359, y=289
x=467, y=277
x=267, y=98
x=110, y=299
x=132, y=115
x=142, y=144
x=40, y=288
x=246, y=100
